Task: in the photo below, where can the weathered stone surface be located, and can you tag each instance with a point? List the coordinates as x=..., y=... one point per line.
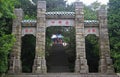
x=39, y=67
x=63, y=75
x=41, y=5
x=81, y=62
x=15, y=66
x=40, y=62
x=105, y=61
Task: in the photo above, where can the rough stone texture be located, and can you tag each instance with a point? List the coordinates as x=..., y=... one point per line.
x=39, y=67
x=15, y=63
x=81, y=62
x=40, y=62
x=105, y=60
x=63, y=75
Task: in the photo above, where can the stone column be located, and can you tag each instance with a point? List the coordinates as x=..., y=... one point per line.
x=15, y=62
x=81, y=62
x=105, y=60
x=40, y=62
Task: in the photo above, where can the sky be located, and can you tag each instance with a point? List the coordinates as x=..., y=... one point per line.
x=88, y=2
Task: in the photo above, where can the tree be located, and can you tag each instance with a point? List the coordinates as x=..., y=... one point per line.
x=6, y=15
x=114, y=31
x=56, y=5
x=6, y=43
x=95, y=6
x=89, y=13
x=28, y=8
x=6, y=39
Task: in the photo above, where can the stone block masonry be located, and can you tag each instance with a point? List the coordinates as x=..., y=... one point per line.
x=77, y=17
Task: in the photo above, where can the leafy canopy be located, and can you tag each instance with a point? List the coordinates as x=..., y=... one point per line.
x=114, y=31
x=6, y=39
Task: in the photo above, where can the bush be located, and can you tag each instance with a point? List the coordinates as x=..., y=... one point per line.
x=6, y=43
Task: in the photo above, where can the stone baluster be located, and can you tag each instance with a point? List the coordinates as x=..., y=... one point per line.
x=40, y=62
x=15, y=62
x=81, y=62
x=105, y=60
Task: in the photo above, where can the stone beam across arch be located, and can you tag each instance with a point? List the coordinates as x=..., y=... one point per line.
x=29, y=26
x=91, y=27
x=60, y=22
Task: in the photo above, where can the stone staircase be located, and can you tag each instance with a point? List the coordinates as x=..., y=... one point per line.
x=57, y=61
x=62, y=75
x=58, y=66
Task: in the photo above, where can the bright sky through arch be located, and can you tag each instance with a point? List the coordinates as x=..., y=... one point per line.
x=88, y=2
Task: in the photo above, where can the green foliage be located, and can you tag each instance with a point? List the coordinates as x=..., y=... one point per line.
x=6, y=43
x=95, y=6
x=92, y=44
x=114, y=31
x=6, y=39
x=6, y=15
x=89, y=13
x=56, y=5
x=30, y=10
x=6, y=8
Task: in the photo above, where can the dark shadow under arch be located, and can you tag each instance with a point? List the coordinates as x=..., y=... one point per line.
x=92, y=52
x=28, y=53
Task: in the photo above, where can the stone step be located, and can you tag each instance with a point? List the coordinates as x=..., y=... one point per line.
x=62, y=75
x=57, y=61
x=59, y=69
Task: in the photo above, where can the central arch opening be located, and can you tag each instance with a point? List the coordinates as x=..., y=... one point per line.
x=60, y=55
x=28, y=53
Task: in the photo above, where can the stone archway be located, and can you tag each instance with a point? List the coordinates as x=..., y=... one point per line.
x=82, y=27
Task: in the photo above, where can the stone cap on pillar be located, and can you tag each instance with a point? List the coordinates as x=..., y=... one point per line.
x=18, y=12
x=79, y=8
x=41, y=4
x=102, y=12
x=79, y=5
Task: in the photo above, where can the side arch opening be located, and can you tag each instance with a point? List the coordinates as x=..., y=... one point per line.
x=92, y=52
x=28, y=53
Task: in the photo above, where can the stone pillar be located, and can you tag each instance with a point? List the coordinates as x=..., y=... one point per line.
x=105, y=60
x=40, y=62
x=15, y=62
x=81, y=62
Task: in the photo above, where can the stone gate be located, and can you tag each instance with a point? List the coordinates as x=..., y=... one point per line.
x=76, y=19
